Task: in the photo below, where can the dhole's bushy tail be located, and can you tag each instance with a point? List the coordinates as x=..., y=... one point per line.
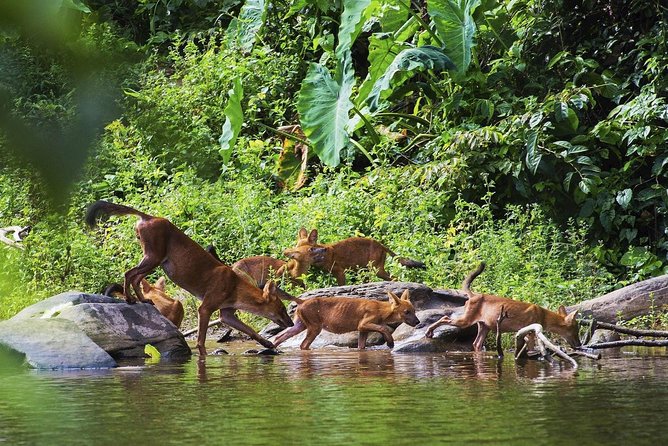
x=466, y=285
x=103, y=208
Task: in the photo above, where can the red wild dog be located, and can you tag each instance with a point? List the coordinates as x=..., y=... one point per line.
x=172, y=309
x=354, y=252
x=258, y=269
x=346, y=314
x=484, y=309
x=189, y=266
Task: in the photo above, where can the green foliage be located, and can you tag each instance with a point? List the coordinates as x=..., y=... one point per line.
x=234, y=118
x=456, y=28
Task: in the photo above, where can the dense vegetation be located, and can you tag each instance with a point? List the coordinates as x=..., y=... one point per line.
x=528, y=134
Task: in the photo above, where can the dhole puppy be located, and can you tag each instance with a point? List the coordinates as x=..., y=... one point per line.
x=189, y=266
x=484, y=310
x=354, y=252
x=172, y=309
x=346, y=314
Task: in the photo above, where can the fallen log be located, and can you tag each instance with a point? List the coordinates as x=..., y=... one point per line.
x=194, y=330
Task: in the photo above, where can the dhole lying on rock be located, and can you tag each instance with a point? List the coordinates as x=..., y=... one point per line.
x=346, y=314
x=172, y=309
x=354, y=252
x=484, y=310
x=189, y=266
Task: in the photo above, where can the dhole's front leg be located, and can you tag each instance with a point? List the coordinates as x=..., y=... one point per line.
x=445, y=320
x=134, y=276
x=203, y=317
x=382, y=329
x=289, y=332
x=228, y=317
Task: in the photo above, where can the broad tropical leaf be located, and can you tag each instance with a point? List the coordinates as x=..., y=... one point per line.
x=408, y=62
x=242, y=31
x=324, y=108
x=234, y=118
x=456, y=28
x=324, y=102
x=382, y=51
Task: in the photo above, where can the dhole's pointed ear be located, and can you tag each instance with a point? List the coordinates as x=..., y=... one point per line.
x=393, y=297
x=269, y=290
x=562, y=310
x=160, y=283
x=313, y=237
x=571, y=317
x=145, y=286
x=303, y=233
x=406, y=295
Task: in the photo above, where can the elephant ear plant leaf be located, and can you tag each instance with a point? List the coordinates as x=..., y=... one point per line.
x=243, y=30
x=234, y=118
x=456, y=28
x=408, y=62
x=324, y=103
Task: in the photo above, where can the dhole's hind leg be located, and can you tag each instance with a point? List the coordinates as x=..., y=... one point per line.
x=361, y=340
x=134, y=276
x=290, y=332
x=311, y=334
x=380, y=266
x=203, y=317
x=480, y=337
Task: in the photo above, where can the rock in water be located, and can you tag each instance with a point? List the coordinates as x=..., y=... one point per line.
x=88, y=331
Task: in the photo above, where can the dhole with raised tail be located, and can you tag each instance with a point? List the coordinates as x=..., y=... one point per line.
x=484, y=310
x=353, y=252
x=189, y=266
x=172, y=309
x=346, y=314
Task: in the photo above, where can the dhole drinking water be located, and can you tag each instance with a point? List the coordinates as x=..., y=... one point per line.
x=189, y=266
x=354, y=252
x=484, y=310
x=346, y=314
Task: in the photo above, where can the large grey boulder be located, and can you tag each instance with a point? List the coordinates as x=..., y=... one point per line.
x=430, y=305
x=119, y=330
x=628, y=302
x=53, y=344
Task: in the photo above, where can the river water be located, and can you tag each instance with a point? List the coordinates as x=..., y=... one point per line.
x=342, y=397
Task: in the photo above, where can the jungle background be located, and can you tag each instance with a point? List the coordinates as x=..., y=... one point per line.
x=528, y=134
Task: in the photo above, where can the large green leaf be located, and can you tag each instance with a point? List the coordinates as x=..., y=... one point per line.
x=408, y=61
x=234, y=118
x=383, y=49
x=324, y=102
x=456, y=28
x=324, y=108
x=242, y=31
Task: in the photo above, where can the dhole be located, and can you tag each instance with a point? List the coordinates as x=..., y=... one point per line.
x=172, y=309
x=258, y=269
x=189, y=266
x=346, y=314
x=484, y=309
x=354, y=252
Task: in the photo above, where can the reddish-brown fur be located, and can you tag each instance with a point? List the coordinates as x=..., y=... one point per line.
x=354, y=252
x=172, y=309
x=346, y=314
x=189, y=266
x=262, y=268
x=484, y=310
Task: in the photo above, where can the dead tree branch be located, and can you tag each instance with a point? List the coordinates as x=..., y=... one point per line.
x=194, y=330
x=542, y=342
x=625, y=342
x=632, y=331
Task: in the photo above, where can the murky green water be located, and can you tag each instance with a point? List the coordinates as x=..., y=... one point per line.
x=342, y=397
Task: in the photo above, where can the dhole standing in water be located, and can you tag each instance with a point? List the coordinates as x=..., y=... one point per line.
x=346, y=314
x=172, y=309
x=189, y=266
x=354, y=252
x=484, y=310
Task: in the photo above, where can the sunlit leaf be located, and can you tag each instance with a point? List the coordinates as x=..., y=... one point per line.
x=293, y=161
x=234, y=118
x=456, y=28
x=533, y=156
x=243, y=30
